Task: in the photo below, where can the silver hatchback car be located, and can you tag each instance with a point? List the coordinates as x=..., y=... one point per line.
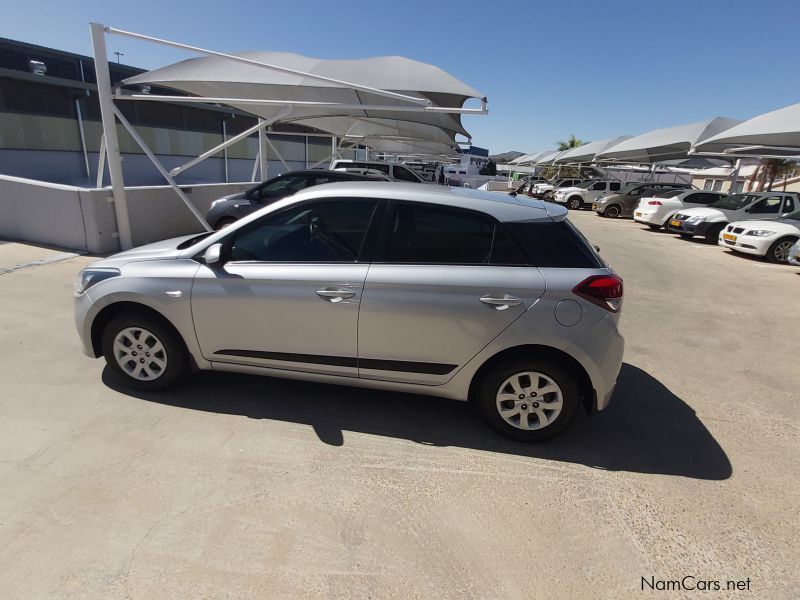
x=456, y=293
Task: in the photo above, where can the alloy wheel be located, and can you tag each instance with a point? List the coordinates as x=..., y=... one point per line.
x=529, y=400
x=781, y=251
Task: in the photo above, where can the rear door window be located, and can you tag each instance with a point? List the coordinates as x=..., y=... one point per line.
x=767, y=206
x=788, y=204
x=615, y=186
x=403, y=174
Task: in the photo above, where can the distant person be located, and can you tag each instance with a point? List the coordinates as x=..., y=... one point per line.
x=441, y=176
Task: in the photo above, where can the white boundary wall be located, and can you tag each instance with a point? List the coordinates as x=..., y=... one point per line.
x=83, y=218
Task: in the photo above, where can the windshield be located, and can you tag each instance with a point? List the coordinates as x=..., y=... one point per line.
x=733, y=202
x=793, y=216
x=584, y=185
x=628, y=187
x=668, y=194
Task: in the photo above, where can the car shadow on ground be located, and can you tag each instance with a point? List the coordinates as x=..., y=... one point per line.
x=646, y=429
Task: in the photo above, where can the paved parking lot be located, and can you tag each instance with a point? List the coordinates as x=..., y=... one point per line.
x=239, y=486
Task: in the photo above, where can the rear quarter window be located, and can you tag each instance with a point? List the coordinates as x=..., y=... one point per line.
x=558, y=245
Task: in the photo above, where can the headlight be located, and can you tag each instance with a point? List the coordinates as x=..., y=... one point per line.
x=88, y=277
x=695, y=220
x=759, y=232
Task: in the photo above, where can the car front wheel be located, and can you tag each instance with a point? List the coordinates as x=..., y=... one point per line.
x=612, y=211
x=575, y=203
x=529, y=399
x=144, y=353
x=779, y=251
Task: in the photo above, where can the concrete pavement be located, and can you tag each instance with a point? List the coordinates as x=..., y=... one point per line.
x=240, y=487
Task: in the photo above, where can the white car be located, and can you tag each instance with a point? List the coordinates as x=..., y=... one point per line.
x=540, y=189
x=585, y=193
x=709, y=221
x=771, y=239
x=656, y=211
x=393, y=171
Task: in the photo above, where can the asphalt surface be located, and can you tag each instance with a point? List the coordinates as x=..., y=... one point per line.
x=240, y=487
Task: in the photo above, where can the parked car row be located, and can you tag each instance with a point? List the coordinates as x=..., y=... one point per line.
x=765, y=224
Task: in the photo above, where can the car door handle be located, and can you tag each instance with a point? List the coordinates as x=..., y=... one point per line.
x=335, y=294
x=501, y=302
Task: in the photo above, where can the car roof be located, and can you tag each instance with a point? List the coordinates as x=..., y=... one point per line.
x=504, y=207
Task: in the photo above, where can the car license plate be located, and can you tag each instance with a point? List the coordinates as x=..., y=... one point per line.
x=729, y=237
x=675, y=223
x=638, y=214
x=594, y=206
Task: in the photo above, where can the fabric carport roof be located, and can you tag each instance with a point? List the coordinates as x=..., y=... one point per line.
x=306, y=96
x=776, y=133
x=547, y=157
x=587, y=152
x=669, y=143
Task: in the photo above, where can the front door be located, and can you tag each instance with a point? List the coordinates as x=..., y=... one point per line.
x=288, y=296
x=440, y=290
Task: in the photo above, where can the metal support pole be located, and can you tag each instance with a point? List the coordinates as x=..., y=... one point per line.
x=256, y=162
x=263, y=159
x=101, y=161
x=225, y=150
x=135, y=135
x=306, y=148
x=209, y=153
x=110, y=129
x=333, y=148
x=732, y=188
x=83, y=137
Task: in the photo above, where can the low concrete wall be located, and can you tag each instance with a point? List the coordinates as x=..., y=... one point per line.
x=84, y=219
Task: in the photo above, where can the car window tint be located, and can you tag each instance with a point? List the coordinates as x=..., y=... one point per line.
x=505, y=250
x=766, y=206
x=432, y=234
x=285, y=186
x=382, y=167
x=403, y=174
x=788, y=204
x=331, y=231
x=554, y=245
x=615, y=186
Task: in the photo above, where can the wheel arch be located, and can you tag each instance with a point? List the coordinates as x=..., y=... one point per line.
x=107, y=313
x=587, y=390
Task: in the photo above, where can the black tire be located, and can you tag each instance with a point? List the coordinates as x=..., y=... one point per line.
x=654, y=227
x=224, y=222
x=612, y=212
x=575, y=202
x=773, y=254
x=490, y=386
x=712, y=235
x=686, y=236
x=177, y=357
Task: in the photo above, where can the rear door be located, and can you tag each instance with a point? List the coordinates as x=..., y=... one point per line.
x=438, y=291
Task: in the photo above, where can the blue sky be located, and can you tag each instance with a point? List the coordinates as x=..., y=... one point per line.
x=549, y=69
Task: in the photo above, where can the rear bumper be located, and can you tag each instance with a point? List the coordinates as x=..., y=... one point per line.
x=649, y=218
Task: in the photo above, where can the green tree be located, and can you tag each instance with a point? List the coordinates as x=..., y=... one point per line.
x=490, y=168
x=571, y=142
x=775, y=168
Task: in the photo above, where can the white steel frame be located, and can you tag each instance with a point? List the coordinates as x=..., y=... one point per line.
x=110, y=113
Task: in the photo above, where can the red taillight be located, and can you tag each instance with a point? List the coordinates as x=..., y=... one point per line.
x=603, y=290
x=654, y=202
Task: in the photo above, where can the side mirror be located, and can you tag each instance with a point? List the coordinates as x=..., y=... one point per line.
x=213, y=255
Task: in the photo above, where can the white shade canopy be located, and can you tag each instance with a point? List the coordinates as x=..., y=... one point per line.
x=773, y=133
x=524, y=159
x=387, y=87
x=587, y=152
x=669, y=143
x=546, y=157
x=410, y=148
x=356, y=128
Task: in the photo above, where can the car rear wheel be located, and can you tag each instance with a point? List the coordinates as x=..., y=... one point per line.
x=612, y=211
x=144, y=352
x=529, y=399
x=654, y=227
x=575, y=203
x=779, y=251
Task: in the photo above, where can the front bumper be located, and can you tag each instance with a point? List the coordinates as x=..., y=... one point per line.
x=747, y=244
x=83, y=304
x=599, y=208
x=691, y=229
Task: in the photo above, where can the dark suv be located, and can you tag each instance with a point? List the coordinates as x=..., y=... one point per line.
x=228, y=209
x=625, y=202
